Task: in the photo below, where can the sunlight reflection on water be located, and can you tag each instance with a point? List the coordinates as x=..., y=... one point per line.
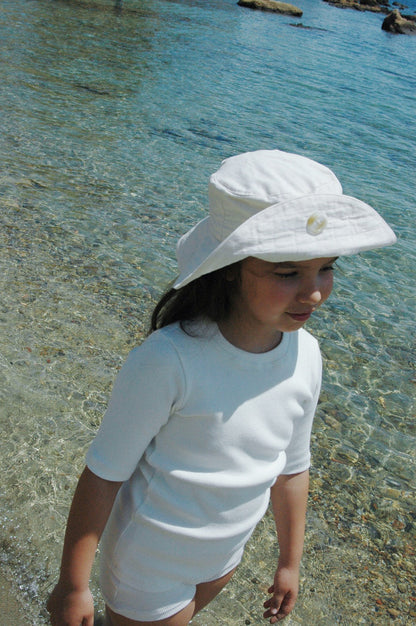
x=111, y=127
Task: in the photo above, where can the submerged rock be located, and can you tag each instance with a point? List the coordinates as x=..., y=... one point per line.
x=273, y=6
x=300, y=25
x=400, y=24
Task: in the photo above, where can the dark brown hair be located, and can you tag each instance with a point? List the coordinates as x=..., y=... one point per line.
x=209, y=296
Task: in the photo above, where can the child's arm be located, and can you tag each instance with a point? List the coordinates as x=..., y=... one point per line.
x=289, y=497
x=71, y=602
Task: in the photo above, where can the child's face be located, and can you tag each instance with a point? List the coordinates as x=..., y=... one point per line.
x=279, y=297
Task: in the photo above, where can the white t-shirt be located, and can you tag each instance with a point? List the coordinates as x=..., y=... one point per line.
x=200, y=430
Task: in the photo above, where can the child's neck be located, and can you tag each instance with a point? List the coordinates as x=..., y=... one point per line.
x=246, y=339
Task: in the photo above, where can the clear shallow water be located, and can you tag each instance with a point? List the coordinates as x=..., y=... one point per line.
x=111, y=125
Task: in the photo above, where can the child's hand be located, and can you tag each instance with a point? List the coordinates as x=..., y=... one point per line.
x=285, y=590
x=70, y=608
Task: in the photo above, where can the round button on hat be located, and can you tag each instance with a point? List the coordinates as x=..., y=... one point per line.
x=316, y=223
x=277, y=206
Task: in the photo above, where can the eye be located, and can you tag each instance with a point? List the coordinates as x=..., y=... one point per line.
x=331, y=265
x=285, y=276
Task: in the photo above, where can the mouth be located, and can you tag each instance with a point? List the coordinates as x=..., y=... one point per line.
x=300, y=317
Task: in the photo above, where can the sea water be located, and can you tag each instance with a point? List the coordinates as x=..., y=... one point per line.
x=113, y=117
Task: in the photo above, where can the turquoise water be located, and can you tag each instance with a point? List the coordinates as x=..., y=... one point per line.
x=111, y=124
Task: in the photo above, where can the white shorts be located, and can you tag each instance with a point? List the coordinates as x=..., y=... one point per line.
x=147, y=606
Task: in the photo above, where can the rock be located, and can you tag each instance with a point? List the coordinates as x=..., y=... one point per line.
x=399, y=24
x=375, y=6
x=273, y=6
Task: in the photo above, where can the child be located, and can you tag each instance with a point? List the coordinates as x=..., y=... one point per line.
x=212, y=414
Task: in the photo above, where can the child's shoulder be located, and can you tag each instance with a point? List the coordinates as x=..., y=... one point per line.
x=159, y=346
x=306, y=335
x=307, y=341
x=165, y=343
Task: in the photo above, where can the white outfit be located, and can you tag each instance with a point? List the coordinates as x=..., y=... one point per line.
x=199, y=430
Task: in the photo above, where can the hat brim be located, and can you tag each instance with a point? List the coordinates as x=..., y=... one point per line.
x=283, y=232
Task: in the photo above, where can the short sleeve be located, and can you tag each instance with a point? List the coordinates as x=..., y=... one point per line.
x=148, y=388
x=298, y=455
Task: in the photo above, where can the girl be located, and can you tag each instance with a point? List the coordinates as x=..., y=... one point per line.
x=212, y=414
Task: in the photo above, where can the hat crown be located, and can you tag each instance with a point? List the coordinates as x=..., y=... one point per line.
x=249, y=183
x=277, y=206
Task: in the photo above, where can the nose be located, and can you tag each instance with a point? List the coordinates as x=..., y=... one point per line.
x=310, y=293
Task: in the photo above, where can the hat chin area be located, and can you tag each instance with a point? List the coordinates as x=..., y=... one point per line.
x=313, y=226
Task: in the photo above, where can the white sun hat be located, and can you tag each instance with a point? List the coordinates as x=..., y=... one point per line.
x=277, y=206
